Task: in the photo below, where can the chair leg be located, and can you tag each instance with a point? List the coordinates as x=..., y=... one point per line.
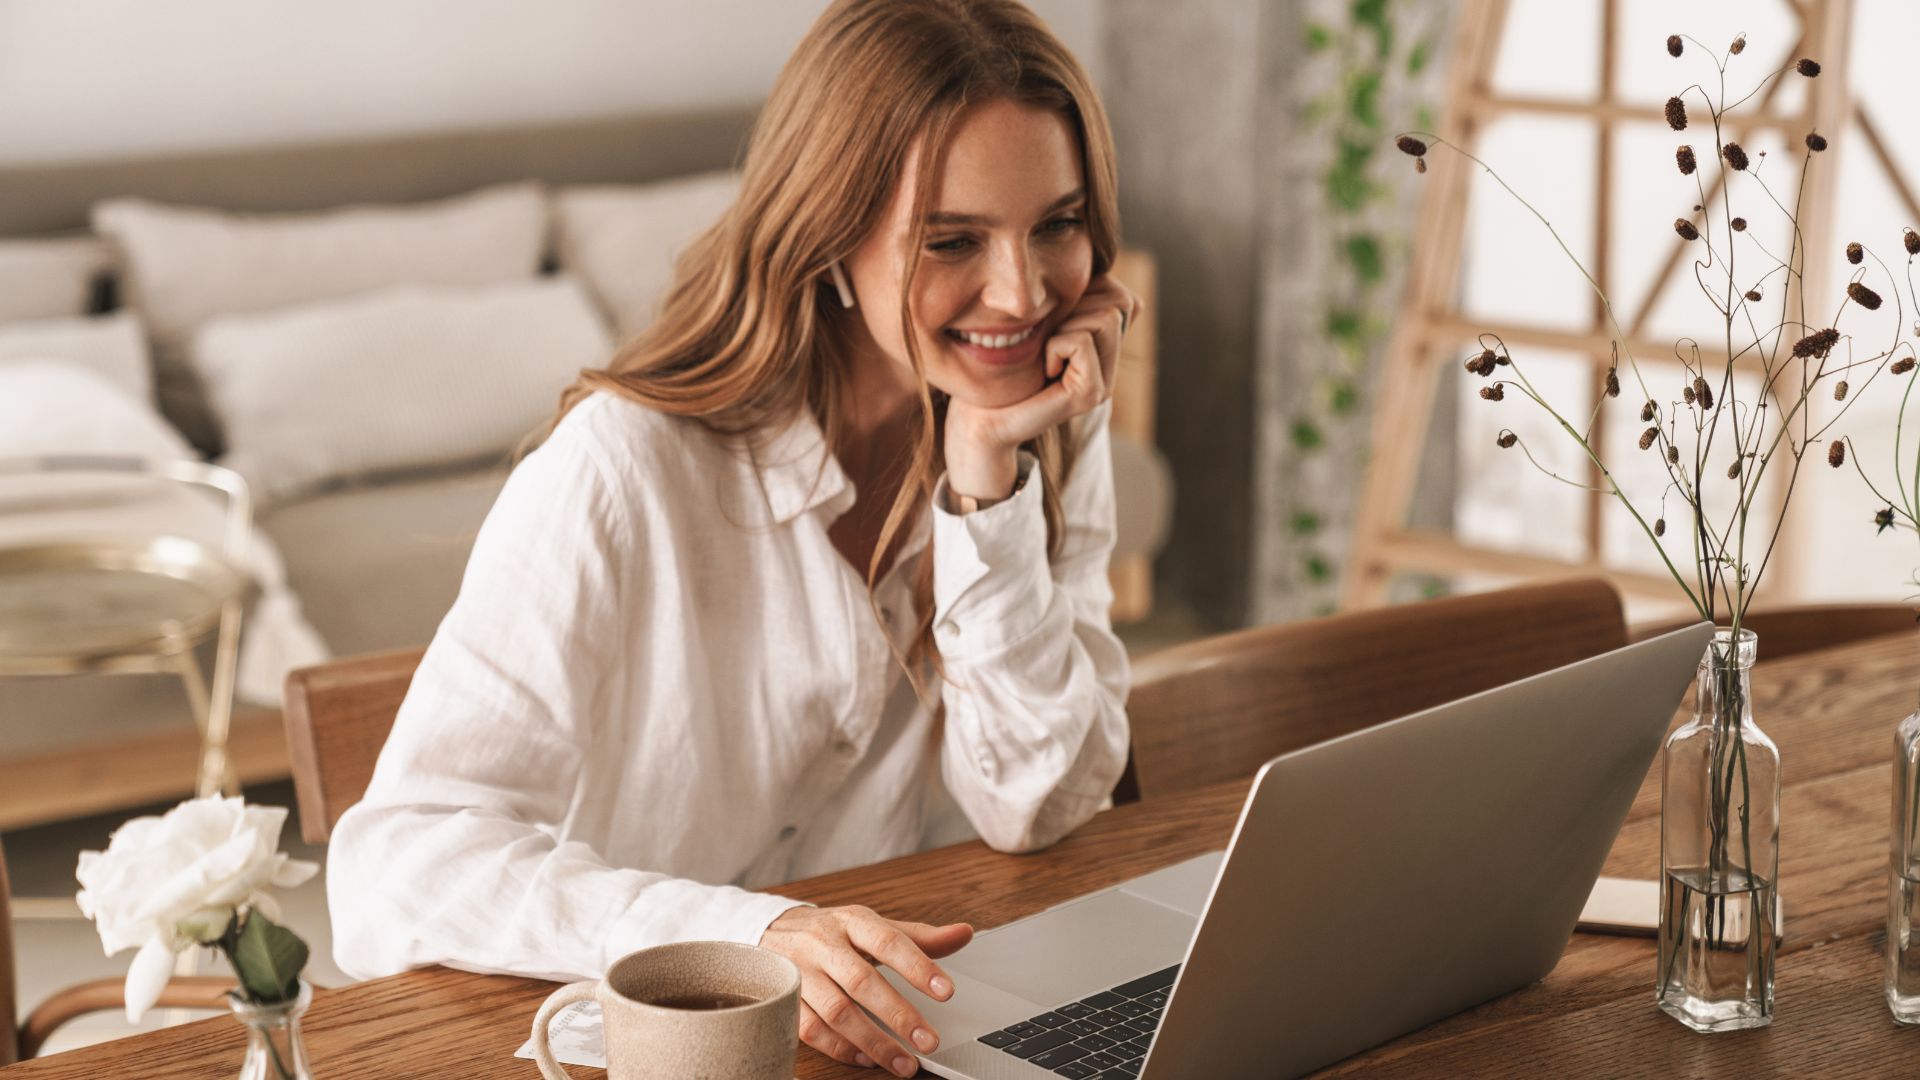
x=215, y=775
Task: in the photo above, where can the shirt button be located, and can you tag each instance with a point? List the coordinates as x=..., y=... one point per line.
x=787, y=833
x=843, y=748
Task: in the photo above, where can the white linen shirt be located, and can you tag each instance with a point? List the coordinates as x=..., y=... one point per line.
x=662, y=687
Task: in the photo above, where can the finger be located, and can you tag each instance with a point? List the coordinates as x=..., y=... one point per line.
x=1083, y=377
x=937, y=941
x=864, y=983
x=815, y=1033
x=887, y=942
x=843, y=1015
x=1109, y=342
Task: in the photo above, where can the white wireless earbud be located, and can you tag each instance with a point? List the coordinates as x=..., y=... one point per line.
x=840, y=284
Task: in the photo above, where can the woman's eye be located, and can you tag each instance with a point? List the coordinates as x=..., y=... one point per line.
x=1063, y=224
x=950, y=247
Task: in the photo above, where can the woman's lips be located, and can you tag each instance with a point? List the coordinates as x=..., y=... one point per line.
x=1023, y=351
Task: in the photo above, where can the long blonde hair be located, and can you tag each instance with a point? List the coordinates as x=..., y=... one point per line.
x=748, y=335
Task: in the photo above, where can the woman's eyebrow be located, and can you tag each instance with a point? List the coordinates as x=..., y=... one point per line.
x=941, y=217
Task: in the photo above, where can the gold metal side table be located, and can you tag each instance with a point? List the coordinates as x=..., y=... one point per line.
x=117, y=604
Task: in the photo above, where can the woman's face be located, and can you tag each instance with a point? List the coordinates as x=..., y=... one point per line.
x=1005, y=259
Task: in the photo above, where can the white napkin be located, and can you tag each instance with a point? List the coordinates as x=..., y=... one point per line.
x=575, y=1037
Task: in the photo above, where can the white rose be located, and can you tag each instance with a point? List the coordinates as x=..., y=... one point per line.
x=166, y=883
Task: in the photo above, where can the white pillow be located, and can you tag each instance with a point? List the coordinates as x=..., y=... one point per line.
x=413, y=376
x=111, y=346
x=51, y=278
x=181, y=266
x=623, y=240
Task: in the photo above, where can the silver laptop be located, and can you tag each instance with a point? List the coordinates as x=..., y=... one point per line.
x=1374, y=884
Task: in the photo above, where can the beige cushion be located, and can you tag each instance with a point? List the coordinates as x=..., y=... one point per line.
x=410, y=377
x=52, y=278
x=181, y=266
x=622, y=239
x=111, y=346
x=376, y=566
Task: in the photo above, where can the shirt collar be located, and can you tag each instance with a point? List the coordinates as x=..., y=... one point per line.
x=797, y=472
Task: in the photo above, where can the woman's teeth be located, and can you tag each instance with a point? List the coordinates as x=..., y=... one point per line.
x=996, y=341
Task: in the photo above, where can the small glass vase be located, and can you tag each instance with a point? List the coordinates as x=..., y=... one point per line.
x=1719, y=852
x=1903, y=877
x=274, y=1048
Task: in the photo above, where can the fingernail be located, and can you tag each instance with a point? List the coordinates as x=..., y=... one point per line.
x=942, y=989
x=863, y=1061
x=924, y=1039
x=904, y=1066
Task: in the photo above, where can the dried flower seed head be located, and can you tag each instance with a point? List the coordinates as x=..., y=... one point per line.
x=1902, y=365
x=1855, y=253
x=1419, y=164
x=1816, y=142
x=1836, y=453
x=1686, y=393
x=1674, y=46
x=1883, y=519
x=1736, y=156
x=1646, y=412
x=1659, y=526
x=1506, y=440
x=1733, y=470
x=1703, y=393
x=1739, y=45
x=1840, y=390
x=1739, y=224
x=1817, y=344
x=1673, y=455
x=1685, y=157
x=1807, y=67
x=1685, y=229
x=1647, y=437
x=1753, y=295
x=1676, y=114
x=1912, y=240
x=1503, y=360
x=1411, y=146
x=1613, y=383
x=1481, y=364
x=1864, y=296
x=1496, y=392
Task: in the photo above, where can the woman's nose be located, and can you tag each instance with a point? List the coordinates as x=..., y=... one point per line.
x=1014, y=284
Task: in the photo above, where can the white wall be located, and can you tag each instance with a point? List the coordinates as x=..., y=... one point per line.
x=102, y=78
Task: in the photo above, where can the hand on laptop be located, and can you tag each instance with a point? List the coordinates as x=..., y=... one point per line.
x=835, y=950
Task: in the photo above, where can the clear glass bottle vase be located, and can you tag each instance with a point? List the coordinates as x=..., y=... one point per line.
x=1903, y=876
x=1719, y=852
x=274, y=1048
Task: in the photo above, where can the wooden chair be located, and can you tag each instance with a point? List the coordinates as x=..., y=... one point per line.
x=1218, y=708
x=1787, y=631
x=100, y=995
x=338, y=716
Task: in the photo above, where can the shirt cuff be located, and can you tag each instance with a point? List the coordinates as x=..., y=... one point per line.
x=991, y=578
x=692, y=911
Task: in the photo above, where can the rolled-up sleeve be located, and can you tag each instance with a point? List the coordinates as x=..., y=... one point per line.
x=1036, y=729
x=453, y=856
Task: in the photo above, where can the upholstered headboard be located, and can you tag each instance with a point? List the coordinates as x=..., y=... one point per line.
x=41, y=199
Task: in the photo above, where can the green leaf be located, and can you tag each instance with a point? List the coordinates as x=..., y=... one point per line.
x=1306, y=435
x=1347, y=183
x=1421, y=54
x=1373, y=15
x=1423, y=118
x=1344, y=397
x=1318, y=568
x=1318, y=37
x=1363, y=98
x=268, y=958
x=1345, y=325
x=1305, y=523
x=1363, y=251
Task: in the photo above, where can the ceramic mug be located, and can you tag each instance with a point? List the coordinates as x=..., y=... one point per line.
x=693, y=1010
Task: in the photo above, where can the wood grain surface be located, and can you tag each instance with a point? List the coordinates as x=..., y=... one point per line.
x=1832, y=712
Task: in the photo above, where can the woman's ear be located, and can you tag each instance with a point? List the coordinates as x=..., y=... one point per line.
x=840, y=284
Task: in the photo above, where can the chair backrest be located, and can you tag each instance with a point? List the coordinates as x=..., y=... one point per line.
x=1218, y=708
x=338, y=715
x=9, y=1012
x=1786, y=631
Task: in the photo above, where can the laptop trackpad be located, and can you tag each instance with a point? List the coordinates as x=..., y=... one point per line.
x=1079, y=948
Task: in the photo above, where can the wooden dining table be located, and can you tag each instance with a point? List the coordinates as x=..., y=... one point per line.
x=1832, y=712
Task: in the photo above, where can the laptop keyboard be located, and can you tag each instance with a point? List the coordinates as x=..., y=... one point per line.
x=1103, y=1037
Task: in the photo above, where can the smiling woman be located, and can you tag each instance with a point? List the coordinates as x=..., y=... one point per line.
x=812, y=574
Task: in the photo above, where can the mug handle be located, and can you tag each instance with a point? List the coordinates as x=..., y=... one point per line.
x=559, y=999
